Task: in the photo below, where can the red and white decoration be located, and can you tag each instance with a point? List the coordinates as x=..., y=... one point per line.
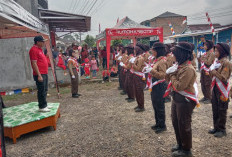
x=210, y=23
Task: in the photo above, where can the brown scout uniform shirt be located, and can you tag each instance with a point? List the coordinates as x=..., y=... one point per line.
x=170, y=60
x=139, y=64
x=194, y=60
x=124, y=58
x=208, y=59
x=146, y=56
x=159, y=69
x=184, y=78
x=224, y=71
x=128, y=64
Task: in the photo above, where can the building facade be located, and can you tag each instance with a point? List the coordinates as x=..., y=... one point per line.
x=164, y=19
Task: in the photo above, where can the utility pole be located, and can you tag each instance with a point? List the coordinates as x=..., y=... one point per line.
x=80, y=34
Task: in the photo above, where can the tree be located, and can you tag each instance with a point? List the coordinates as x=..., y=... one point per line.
x=116, y=42
x=90, y=40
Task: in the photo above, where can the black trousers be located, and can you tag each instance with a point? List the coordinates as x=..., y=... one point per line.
x=219, y=110
x=158, y=103
x=42, y=88
x=104, y=63
x=182, y=110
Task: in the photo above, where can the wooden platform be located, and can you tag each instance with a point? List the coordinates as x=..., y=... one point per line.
x=22, y=119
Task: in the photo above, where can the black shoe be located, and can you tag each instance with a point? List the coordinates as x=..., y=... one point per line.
x=136, y=107
x=167, y=100
x=202, y=100
x=123, y=93
x=127, y=98
x=79, y=94
x=119, y=88
x=220, y=134
x=231, y=116
x=212, y=131
x=176, y=148
x=154, y=127
x=207, y=101
x=160, y=129
x=139, y=109
x=182, y=153
x=75, y=96
x=130, y=100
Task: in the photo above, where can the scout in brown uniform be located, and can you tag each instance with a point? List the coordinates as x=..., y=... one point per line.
x=139, y=78
x=119, y=58
x=220, y=71
x=184, y=101
x=194, y=57
x=206, y=61
x=158, y=74
x=74, y=70
x=129, y=86
x=123, y=71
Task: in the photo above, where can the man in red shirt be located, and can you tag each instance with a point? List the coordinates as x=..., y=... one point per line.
x=40, y=72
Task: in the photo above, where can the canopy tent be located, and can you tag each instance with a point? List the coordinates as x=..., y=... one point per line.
x=127, y=29
x=64, y=22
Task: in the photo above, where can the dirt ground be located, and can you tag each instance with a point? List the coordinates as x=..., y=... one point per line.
x=101, y=124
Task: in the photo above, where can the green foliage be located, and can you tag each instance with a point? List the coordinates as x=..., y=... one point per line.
x=145, y=41
x=90, y=40
x=116, y=42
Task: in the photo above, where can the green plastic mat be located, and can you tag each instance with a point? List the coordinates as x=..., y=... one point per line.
x=26, y=113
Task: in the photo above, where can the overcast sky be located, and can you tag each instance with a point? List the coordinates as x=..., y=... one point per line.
x=106, y=12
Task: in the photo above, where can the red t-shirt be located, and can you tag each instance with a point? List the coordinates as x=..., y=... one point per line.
x=104, y=74
x=36, y=54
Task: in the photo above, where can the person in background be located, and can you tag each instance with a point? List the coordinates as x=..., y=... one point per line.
x=74, y=71
x=139, y=79
x=94, y=67
x=60, y=62
x=55, y=52
x=113, y=71
x=84, y=53
x=86, y=66
x=104, y=57
x=206, y=61
x=95, y=53
x=105, y=75
x=40, y=72
x=201, y=50
x=220, y=71
x=229, y=43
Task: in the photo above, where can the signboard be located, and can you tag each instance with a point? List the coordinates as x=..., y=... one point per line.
x=134, y=32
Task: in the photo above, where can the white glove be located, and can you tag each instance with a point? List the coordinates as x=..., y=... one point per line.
x=121, y=64
x=214, y=66
x=217, y=65
x=172, y=69
x=148, y=69
x=119, y=58
x=73, y=76
x=132, y=59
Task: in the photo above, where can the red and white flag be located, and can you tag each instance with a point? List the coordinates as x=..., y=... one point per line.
x=210, y=23
x=184, y=21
